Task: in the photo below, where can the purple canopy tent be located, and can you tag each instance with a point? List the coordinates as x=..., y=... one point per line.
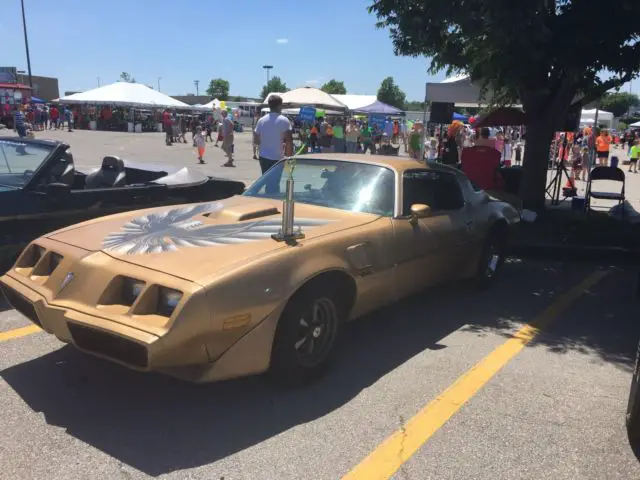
x=380, y=108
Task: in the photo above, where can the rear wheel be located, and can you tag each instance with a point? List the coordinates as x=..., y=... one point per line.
x=492, y=257
x=306, y=336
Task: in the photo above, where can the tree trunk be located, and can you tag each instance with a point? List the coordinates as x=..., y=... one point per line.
x=536, y=157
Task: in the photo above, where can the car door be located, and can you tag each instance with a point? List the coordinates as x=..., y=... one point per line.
x=435, y=248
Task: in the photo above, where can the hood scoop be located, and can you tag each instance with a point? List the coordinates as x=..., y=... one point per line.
x=241, y=215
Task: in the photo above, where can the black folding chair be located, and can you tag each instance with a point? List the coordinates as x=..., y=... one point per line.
x=605, y=173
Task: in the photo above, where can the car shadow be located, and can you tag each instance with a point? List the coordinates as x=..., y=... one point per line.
x=4, y=305
x=158, y=425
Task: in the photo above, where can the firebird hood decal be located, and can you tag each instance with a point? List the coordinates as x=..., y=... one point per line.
x=170, y=230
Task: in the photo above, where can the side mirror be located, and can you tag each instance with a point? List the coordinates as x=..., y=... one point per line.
x=418, y=211
x=57, y=189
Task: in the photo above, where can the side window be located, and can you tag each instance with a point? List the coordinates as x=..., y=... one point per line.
x=439, y=190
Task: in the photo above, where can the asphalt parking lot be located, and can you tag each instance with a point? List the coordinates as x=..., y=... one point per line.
x=527, y=380
x=553, y=408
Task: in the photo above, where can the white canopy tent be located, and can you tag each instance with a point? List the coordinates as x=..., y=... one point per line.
x=355, y=102
x=315, y=97
x=215, y=103
x=458, y=90
x=125, y=94
x=296, y=111
x=637, y=124
x=588, y=117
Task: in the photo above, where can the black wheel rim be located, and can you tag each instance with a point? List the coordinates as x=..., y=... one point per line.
x=316, y=332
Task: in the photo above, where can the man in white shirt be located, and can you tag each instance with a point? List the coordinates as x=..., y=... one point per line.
x=227, y=138
x=272, y=130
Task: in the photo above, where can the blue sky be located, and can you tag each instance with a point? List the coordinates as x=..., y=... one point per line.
x=79, y=41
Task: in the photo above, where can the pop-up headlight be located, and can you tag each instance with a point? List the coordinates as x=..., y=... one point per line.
x=131, y=290
x=168, y=300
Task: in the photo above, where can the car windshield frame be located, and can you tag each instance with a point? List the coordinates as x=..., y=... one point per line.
x=323, y=165
x=10, y=169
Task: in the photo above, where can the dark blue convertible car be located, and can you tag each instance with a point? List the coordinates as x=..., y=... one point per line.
x=41, y=190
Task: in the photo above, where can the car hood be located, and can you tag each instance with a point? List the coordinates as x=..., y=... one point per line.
x=196, y=240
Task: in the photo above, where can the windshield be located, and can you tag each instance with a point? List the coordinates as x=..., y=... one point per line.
x=19, y=161
x=351, y=186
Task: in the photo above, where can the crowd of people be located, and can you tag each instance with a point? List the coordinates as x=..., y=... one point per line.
x=573, y=149
x=31, y=118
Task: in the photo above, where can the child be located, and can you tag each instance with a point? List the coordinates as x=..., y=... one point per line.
x=414, y=142
x=634, y=155
x=576, y=163
x=518, y=151
x=200, y=142
x=584, y=171
x=506, y=153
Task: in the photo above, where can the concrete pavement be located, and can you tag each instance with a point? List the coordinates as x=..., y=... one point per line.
x=555, y=411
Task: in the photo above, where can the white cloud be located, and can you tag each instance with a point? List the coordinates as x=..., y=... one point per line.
x=282, y=41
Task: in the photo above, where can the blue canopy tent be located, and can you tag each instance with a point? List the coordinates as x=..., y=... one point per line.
x=459, y=116
x=37, y=100
x=380, y=108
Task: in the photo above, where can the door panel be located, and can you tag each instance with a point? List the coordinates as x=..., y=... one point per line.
x=436, y=248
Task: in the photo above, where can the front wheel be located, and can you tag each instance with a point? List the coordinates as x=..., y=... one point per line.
x=306, y=337
x=492, y=257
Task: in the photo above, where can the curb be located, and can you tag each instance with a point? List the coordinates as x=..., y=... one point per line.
x=575, y=252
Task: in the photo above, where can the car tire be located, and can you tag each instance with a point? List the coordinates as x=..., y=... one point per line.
x=492, y=257
x=306, y=336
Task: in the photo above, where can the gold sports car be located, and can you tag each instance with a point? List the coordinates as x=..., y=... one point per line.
x=241, y=286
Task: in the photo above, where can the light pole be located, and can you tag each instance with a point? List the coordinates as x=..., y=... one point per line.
x=268, y=69
x=98, y=78
x=159, y=78
x=197, y=84
x=26, y=45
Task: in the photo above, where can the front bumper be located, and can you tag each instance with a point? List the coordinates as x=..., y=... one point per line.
x=99, y=336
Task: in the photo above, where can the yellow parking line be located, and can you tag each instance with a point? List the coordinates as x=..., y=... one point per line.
x=19, y=332
x=389, y=456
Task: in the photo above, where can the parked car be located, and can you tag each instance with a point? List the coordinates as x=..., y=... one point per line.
x=211, y=291
x=42, y=190
x=633, y=406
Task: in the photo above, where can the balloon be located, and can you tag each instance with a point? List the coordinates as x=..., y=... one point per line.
x=223, y=105
x=472, y=120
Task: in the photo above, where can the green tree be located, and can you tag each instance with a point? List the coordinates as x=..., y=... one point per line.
x=414, y=106
x=391, y=94
x=275, y=84
x=125, y=77
x=619, y=103
x=536, y=52
x=218, y=88
x=333, y=86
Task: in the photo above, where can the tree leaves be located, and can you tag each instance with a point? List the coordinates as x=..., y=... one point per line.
x=125, y=77
x=334, y=87
x=391, y=94
x=530, y=45
x=619, y=103
x=275, y=84
x=218, y=88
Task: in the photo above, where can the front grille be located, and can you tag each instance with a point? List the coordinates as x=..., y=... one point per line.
x=109, y=345
x=21, y=304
